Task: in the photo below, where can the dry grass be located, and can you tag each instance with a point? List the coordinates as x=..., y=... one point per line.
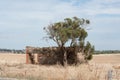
x=106, y=58
x=8, y=58
x=13, y=65
x=56, y=72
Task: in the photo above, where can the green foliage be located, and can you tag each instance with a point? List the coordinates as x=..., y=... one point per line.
x=89, y=57
x=69, y=29
x=73, y=30
x=89, y=50
x=91, y=53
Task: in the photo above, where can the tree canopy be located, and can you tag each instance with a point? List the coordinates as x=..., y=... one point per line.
x=68, y=30
x=72, y=30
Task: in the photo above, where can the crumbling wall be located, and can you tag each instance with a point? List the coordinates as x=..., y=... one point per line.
x=36, y=55
x=49, y=55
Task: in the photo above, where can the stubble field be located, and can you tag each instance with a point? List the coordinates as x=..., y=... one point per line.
x=13, y=66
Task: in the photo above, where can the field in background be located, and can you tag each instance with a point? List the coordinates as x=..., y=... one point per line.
x=9, y=58
x=13, y=65
x=106, y=58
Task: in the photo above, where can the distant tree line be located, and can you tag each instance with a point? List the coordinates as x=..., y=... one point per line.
x=12, y=51
x=106, y=51
x=23, y=51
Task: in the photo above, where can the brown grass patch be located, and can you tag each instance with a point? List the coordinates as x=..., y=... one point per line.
x=13, y=65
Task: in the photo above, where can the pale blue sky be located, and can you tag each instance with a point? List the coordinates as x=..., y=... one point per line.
x=22, y=21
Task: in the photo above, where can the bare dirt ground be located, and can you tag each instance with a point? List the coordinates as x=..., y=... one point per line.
x=13, y=65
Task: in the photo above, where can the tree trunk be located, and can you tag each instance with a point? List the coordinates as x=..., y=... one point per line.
x=64, y=52
x=65, y=58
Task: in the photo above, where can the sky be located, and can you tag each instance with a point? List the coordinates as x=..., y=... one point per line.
x=22, y=21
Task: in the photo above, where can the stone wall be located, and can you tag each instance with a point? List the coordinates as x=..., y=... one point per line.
x=36, y=55
x=49, y=55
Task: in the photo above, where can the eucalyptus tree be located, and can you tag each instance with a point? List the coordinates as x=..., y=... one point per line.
x=72, y=31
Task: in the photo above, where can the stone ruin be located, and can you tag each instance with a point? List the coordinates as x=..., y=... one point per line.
x=49, y=55
x=36, y=55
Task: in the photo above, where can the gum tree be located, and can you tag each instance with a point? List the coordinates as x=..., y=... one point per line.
x=73, y=32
